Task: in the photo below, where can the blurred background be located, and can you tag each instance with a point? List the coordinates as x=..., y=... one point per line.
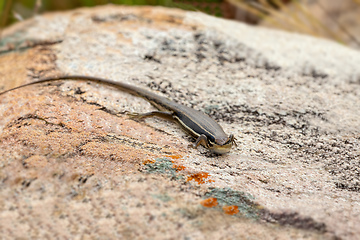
x=338, y=20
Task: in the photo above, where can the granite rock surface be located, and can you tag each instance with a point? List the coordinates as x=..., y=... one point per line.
x=74, y=165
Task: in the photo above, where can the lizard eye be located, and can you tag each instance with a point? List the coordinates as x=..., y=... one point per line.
x=221, y=141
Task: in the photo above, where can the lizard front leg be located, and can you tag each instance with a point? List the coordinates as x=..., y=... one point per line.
x=201, y=140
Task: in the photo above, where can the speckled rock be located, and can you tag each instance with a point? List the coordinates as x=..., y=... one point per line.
x=73, y=165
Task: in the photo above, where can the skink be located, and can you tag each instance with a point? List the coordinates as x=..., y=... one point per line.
x=206, y=131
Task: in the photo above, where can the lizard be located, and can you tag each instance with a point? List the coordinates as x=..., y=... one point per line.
x=207, y=131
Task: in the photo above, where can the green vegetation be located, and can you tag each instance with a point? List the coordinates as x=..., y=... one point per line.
x=302, y=16
x=14, y=10
x=289, y=15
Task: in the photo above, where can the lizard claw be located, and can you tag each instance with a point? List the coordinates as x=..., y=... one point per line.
x=191, y=145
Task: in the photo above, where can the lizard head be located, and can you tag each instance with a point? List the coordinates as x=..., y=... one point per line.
x=223, y=145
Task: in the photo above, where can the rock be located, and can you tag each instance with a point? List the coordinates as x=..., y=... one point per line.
x=74, y=165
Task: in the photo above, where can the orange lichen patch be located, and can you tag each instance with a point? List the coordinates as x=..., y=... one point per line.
x=231, y=210
x=200, y=178
x=179, y=167
x=210, y=202
x=178, y=156
x=149, y=161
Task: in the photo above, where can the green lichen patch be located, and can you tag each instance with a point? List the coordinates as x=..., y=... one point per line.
x=249, y=209
x=229, y=197
x=163, y=166
x=163, y=197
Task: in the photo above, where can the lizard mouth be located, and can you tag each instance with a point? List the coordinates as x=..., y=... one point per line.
x=221, y=149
